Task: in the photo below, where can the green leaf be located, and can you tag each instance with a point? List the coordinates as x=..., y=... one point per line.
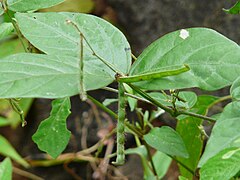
x=7, y=150
x=213, y=59
x=161, y=162
x=4, y=122
x=189, y=97
x=222, y=166
x=188, y=128
x=182, y=178
x=52, y=135
x=1, y=11
x=6, y=169
x=108, y=102
x=10, y=47
x=29, y=5
x=225, y=133
x=166, y=140
x=142, y=152
x=63, y=38
x=234, y=10
x=6, y=29
x=235, y=89
x=46, y=76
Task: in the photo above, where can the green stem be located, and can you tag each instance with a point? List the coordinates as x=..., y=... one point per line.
x=17, y=31
x=183, y=165
x=150, y=158
x=153, y=75
x=149, y=98
x=166, y=108
x=94, y=53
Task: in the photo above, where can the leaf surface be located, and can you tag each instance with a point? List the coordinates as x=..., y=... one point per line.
x=63, y=38
x=7, y=150
x=52, y=135
x=6, y=29
x=29, y=5
x=235, y=9
x=188, y=128
x=225, y=133
x=6, y=169
x=235, y=89
x=166, y=140
x=222, y=166
x=213, y=59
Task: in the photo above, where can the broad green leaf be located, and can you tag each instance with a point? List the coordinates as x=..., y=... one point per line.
x=189, y=97
x=36, y=75
x=225, y=133
x=7, y=150
x=235, y=9
x=63, y=38
x=161, y=162
x=52, y=135
x=10, y=47
x=213, y=59
x=222, y=166
x=188, y=128
x=235, y=89
x=166, y=140
x=29, y=5
x=6, y=169
x=6, y=29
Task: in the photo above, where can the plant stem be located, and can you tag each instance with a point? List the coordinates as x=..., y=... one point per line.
x=196, y=115
x=183, y=165
x=168, y=109
x=150, y=158
x=127, y=94
x=149, y=98
x=104, y=108
x=17, y=31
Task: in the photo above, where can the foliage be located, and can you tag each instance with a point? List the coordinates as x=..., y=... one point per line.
x=79, y=52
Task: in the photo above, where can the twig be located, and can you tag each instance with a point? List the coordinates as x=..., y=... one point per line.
x=26, y=174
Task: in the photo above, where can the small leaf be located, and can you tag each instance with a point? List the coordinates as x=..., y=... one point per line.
x=225, y=133
x=29, y=5
x=189, y=97
x=205, y=51
x=108, y=102
x=235, y=89
x=223, y=165
x=161, y=162
x=166, y=140
x=142, y=152
x=6, y=169
x=6, y=29
x=234, y=10
x=52, y=135
x=7, y=150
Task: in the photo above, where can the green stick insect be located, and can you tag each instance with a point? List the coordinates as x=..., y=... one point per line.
x=120, y=78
